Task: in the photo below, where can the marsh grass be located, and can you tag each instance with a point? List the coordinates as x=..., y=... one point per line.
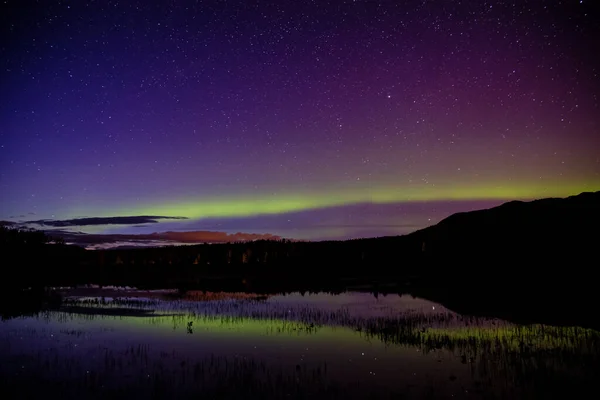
x=504, y=360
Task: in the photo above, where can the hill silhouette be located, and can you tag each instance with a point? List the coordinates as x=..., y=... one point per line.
x=519, y=231
x=516, y=260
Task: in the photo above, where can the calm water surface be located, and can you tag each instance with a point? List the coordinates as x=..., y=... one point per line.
x=352, y=345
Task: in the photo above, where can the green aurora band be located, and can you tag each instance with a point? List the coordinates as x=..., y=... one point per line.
x=248, y=206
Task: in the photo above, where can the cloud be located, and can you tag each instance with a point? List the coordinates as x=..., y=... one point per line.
x=94, y=241
x=7, y=223
x=132, y=220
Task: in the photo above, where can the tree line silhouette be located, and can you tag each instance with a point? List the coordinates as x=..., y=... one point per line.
x=38, y=259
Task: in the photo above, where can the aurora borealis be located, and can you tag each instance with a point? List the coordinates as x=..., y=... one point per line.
x=236, y=113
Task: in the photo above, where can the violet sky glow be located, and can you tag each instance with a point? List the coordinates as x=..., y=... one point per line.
x=237, y=113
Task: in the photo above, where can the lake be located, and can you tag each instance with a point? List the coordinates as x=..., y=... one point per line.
x=233, y=345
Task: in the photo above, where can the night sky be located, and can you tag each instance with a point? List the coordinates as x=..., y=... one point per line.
x=307, y=119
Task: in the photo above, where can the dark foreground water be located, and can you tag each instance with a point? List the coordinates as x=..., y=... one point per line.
x=315, y=346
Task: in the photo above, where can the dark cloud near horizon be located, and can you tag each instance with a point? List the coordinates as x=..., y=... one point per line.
x=129, y=220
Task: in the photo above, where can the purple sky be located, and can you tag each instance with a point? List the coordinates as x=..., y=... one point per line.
x=296, y=118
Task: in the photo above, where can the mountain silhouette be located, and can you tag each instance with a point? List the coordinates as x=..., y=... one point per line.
x=524, y=261
x=536, y=230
